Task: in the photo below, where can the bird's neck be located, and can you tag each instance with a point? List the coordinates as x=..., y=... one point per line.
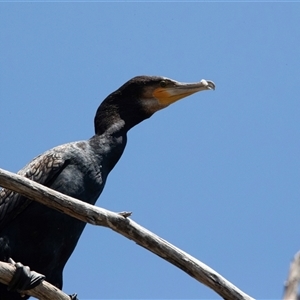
x=118, y=117
x=109, y=147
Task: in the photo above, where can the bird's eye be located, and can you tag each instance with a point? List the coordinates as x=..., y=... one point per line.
x=163, y=84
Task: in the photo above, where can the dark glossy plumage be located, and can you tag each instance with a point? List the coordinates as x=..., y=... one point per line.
x=43, y=238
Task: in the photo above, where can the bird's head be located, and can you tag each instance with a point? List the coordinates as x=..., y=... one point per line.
x=153, y=93
x=142, y=96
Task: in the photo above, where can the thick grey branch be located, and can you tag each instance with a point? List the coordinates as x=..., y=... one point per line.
x=125, y=226
x=44, y=291
x=292, y=283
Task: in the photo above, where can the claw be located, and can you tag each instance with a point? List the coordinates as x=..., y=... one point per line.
x=74, y=297
x=24, y=279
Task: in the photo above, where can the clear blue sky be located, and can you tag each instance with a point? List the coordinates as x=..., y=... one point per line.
x=216, y=174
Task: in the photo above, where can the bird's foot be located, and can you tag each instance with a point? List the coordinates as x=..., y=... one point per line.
x=74, y=297
x=125, y=214
x=24, y=279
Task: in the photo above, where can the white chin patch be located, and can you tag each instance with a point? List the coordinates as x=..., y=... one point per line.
x=152, y=105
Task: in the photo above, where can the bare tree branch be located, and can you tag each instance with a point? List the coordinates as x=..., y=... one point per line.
x=44, y=291
x=292, y=283
x=125, y=226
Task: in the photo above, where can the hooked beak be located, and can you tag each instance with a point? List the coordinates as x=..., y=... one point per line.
x=170, y=94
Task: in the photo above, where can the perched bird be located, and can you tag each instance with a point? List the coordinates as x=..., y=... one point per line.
x=43, y=238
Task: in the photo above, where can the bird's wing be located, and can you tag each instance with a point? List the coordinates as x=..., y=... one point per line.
x=42, y=169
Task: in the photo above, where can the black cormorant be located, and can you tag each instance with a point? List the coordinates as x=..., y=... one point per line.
x=43, y=238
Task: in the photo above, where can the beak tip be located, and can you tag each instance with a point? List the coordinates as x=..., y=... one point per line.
x=208, y=84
